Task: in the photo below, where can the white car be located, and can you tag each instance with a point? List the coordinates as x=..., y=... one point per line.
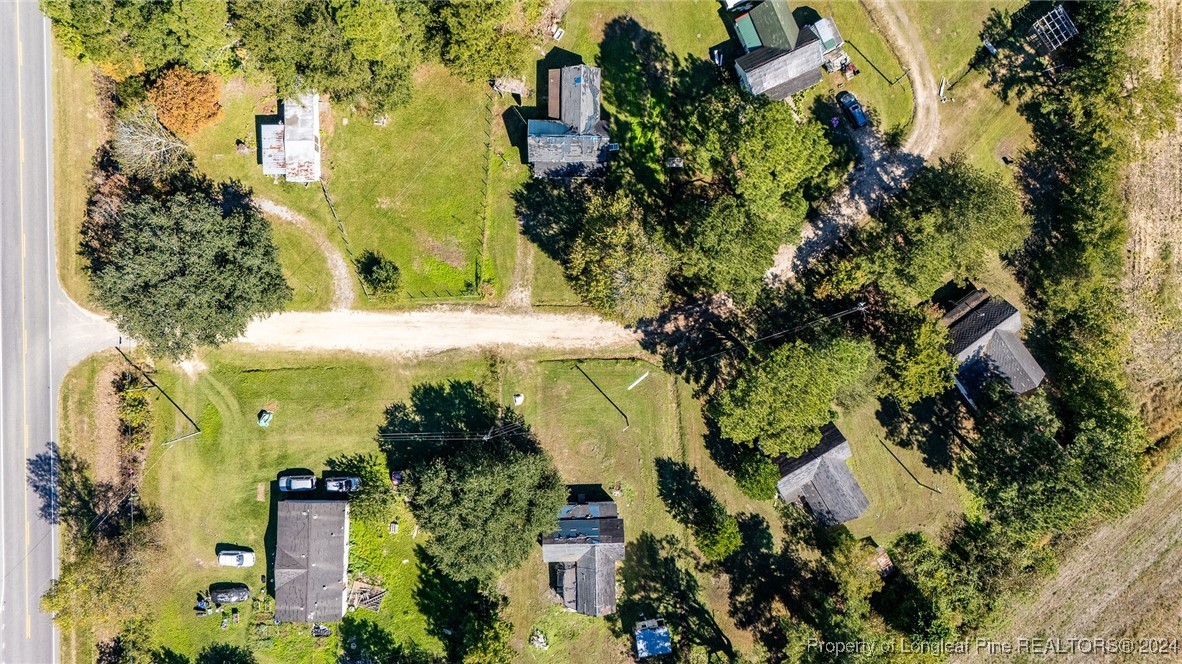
x=230, y=558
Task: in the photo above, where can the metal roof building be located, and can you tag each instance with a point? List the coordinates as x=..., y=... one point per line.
x=822, y=482
x=292, y=149
x=781, y=58
x=311, y=560
x=585, y=549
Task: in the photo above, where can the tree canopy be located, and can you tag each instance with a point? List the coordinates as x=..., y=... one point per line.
x=752, y=159
x=945, y=225
x=184, y=268
x=346, y=48
x=127, y=38
x=614, y=264
x=780, y=403
x=186, y=101
x=485, y=498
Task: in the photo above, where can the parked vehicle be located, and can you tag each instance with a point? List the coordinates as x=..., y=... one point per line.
x=853, y=110
x=342, y=484
x=229, y=594
x=236, y=558
x=297, y=483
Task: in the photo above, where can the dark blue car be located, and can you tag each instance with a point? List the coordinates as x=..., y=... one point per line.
x=853, y=110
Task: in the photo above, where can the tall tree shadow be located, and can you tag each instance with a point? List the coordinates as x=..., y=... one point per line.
x=440, y=416
x=656, y=582
x=366, y=642
x=931, y=426
x=458, y=613
x=682, y=492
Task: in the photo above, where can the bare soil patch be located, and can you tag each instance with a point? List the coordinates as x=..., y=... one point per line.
x=1121, y=581
x=105, y=437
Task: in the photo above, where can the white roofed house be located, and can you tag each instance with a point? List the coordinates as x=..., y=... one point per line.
x=292, y=148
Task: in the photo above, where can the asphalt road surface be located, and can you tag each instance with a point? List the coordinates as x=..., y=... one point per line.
x=41, y=331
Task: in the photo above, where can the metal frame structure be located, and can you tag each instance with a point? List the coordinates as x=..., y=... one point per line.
x=1055, y=28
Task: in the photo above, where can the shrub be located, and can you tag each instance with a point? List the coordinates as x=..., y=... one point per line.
x=379, y=273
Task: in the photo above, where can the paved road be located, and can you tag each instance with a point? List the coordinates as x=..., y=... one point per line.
x=34, y=356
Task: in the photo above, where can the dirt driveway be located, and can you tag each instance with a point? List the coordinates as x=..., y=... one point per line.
x=880, y=171
x=433, y=330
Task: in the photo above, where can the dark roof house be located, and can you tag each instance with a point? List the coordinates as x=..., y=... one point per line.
x=573, y=141
x=780, y=58
x=821, y=480
x=584, y=551
x=984, y=338
x=311, y=559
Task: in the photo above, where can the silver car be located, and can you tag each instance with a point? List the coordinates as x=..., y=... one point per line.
x=235, y=558
x=297, y=483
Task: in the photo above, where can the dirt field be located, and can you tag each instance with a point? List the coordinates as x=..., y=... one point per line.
x=1121, y=581
x=1154, y=271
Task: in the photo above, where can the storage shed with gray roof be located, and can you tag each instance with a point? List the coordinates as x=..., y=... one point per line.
x=311, y=560
x=584, y=552
x=573, y=141
x=821, y=481
x=983, y=333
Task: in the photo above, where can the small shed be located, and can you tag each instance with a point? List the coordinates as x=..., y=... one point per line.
x=652, y=638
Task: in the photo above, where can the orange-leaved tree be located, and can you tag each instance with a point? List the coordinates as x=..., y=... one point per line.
x=186, y=101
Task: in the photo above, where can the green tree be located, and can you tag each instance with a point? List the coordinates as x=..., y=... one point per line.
x=752, y=158
x=338, y=47
x=477, y=42
x=379, y=273
x=184, y=269
x=916, y=363
x=947, y=224
x=716, y=532
x=614, y=265
x=485, y=506
x=1028, y=481
x=780, y=404
x=225, y=653
x=128, y=38
x=486, y=497
x=375, y=500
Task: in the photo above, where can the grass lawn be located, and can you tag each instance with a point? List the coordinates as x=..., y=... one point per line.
x=304, y=267
x=216, y=487
x=898, y=503
x=412, y=190
x=881, y=86
x=976, y=121
x=77, y=133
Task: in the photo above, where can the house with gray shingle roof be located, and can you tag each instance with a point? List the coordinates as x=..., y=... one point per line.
x=820, y=480
x=584, y=551
x=983, y=332
x=780, y=58
x=311, y=560
x=573, y=141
